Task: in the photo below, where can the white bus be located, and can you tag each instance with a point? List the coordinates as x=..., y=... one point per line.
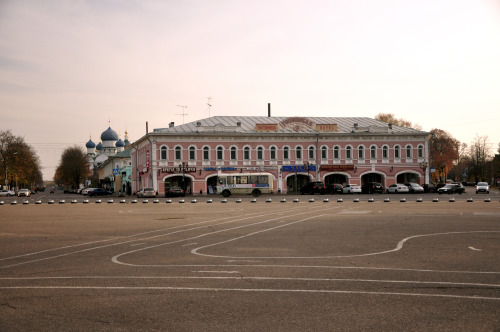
x=244, y=183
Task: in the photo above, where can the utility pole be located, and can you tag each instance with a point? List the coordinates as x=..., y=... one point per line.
x=183, y=112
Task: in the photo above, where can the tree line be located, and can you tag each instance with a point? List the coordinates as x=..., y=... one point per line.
x=454, y=160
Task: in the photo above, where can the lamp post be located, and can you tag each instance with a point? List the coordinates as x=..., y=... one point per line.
x=183, y=166
x=423, y=166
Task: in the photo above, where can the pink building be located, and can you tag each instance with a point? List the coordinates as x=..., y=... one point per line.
x=293, y=150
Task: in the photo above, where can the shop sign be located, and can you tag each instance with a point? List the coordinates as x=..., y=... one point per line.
x=331, y=168
x=326, y=127
x=299, y=168
x=262, y=127
x=147, y=159
x=178, y=169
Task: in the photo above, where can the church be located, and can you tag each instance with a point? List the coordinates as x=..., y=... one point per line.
x=109, y=162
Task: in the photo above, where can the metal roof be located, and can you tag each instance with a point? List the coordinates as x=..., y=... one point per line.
x=246, y=125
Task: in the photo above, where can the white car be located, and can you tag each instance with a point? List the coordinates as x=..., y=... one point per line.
x=351, y=189
x=23, y=192
x=397, y=188
x=482, y=187
x=414, y=187
x=146, y=192
x=7, y=193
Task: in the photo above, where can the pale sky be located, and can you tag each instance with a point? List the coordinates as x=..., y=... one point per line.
x=67, y=67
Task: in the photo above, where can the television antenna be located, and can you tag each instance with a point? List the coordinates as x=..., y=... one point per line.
x=209, y=104
x=183, y=112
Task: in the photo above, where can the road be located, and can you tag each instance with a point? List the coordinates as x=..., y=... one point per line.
x=268, y=265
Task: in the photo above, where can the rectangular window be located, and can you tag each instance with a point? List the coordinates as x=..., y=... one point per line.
x=233, y=154
x=219, y=154
x=206, y=154
x=246, y=154
x=285, y=154
x=273, y=154
x=192, y=154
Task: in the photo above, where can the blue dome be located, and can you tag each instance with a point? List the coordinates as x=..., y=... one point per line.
x=120, y=144
x=99, y=147
x=109, y=135
x=90, y=144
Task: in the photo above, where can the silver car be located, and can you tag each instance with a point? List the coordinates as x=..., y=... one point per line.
x=146, y=192
x=23, y=192
x=482, y=187
x=7, y=193
x=414, y=187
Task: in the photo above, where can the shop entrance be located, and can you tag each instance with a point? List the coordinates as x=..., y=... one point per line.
x=372, y=177
x=211, y=185
x=183, y=182
x=335, y=178
x=295, y=182
x=408, y=177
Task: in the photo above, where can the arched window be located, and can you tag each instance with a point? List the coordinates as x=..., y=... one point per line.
x=324, y=152
x=273, y=153
x=192, y=153
x=206, y=153
x=163, y=153
x=178, y=153
x=420, y=151
x=286, y=153
x=397, y=152
x=408, y=151
x=246, y=153
x=298, y=153
x=373, y=152
x=220, y=153
x=311, y=152
x=385, y=152
x=361, y=152
x=348, y=152
x=260, y=153
x=336, y=152
x=233, y=153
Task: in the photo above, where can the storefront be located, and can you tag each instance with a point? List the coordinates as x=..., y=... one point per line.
x=294, y=150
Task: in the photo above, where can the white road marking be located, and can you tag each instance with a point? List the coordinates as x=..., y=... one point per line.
x=137, y=244
x=472, y=248
x=255, y=290
x=229, y=272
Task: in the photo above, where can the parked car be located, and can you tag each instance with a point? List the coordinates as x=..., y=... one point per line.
x=335, y=188
x=7, y=193
x=397, y=188
x=451, y=188
x=313, y=188
x=372, y=187
x=99, y=192
x=85, y=191
x=23, y=192
x=414, y=187
x=429, y=188
x=174, y=192
x=146, y=192
x=352, y=189
x=482, y=187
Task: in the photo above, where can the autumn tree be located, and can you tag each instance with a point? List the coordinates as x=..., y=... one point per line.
x=390, y=118
x=19, y=161
x=73, y=167
x=444, y=152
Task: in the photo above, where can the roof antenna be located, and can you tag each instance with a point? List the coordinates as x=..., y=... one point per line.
x=209, y=105
x=183, y=112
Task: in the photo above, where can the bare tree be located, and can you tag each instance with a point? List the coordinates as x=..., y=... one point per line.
x=479, y=154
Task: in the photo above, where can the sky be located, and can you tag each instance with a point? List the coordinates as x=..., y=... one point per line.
x=69, y=68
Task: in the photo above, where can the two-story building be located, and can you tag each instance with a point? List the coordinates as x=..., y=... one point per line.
x=294, y=150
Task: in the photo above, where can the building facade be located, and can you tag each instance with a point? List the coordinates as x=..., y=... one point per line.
x=294, y=150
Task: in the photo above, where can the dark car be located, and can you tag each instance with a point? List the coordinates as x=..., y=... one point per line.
x=429, y=188
x=99, y=192
x=452, y=188
x=372, y=187
x=174, y=192
x=313, y=188
x=334, y=188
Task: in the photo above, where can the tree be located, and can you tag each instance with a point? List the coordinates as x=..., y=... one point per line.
x=20, y=162
x=444, y=151
x=390, y=118
x=480, y=155
x=73, y=167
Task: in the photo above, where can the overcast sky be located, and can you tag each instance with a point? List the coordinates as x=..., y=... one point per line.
x=68, y=67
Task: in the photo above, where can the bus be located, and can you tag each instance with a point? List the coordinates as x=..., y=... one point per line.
x=244, y=183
